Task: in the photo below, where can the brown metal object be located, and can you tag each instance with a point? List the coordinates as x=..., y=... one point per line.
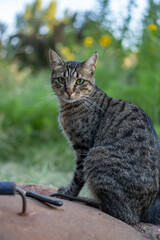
x=24, y=202
x=73, y=221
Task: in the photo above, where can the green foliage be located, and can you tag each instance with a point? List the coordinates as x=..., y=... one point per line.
x=32, y=147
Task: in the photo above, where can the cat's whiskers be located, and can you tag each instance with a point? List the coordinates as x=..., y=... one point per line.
x=46, y=100
x=90, y=97
x=48, y=92
x=89, y=100
x=86, y=104
x=83, y=103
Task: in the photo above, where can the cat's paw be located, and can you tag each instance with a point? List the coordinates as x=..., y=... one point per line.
x=66, y=191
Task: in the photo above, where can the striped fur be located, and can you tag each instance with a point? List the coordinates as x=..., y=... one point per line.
x=117, y=149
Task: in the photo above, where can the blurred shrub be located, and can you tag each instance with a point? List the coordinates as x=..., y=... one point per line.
x=37, y=31
x=28, y=111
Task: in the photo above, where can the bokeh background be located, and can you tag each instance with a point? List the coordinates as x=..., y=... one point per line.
x=126, y=34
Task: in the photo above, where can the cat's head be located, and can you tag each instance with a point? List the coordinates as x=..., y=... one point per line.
x=72, y=80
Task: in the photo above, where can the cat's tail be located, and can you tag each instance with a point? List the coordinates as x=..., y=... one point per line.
x=88, y=202
x=152, y=214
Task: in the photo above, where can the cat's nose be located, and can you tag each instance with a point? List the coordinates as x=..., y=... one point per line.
x=69, y=92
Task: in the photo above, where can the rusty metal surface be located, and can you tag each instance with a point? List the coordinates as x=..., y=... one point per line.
x=72, y=221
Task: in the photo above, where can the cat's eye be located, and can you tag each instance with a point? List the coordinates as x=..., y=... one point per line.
x=80, y=81
x=61, y=80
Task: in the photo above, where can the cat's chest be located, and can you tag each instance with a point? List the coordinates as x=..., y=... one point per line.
x=78, y=127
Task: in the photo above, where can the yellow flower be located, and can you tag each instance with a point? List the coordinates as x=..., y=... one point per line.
x=105, y=41
x=65, y=51
x=52, y=10
x=88, y=41
x=152, y=27
x=70, y=56
x=28, y=13
x=38, y=5
x=130, y=60
x=50, y=15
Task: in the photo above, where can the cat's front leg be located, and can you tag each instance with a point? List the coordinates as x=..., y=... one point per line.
x=77, y=181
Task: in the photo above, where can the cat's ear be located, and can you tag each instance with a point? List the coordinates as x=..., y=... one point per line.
x=55, y=61
x=90, y=63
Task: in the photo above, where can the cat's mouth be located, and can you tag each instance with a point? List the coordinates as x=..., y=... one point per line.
x=69, y=99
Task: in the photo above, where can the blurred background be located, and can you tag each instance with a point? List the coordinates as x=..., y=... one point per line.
x=126, y=34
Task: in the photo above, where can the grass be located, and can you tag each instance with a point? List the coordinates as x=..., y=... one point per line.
x=151, y=233
x=41, y=164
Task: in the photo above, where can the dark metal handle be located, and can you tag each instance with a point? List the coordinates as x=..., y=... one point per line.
x=7, y=188
x=43, y=198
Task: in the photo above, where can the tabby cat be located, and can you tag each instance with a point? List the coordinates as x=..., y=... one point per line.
x=117, y=149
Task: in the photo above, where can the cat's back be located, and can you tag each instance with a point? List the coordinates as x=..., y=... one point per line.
x=125, y=125
x=126, y=149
